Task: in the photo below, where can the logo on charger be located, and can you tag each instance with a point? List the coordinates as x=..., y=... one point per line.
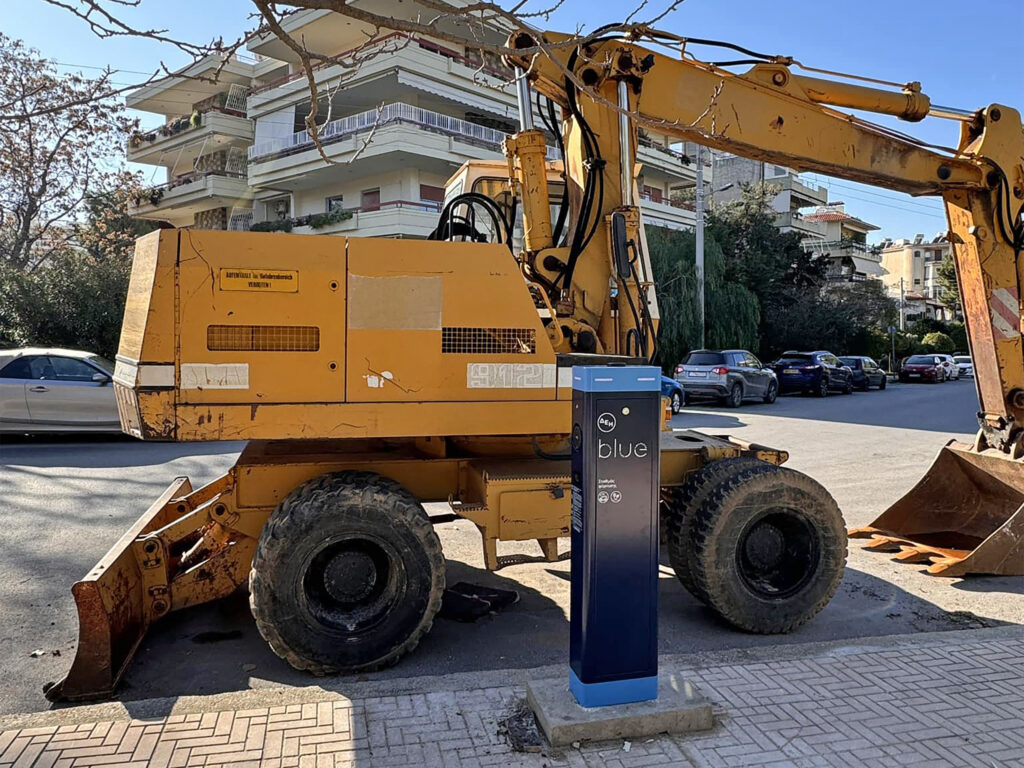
x=606, y=422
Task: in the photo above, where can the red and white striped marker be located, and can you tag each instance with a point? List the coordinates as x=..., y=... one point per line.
x=1005, y=310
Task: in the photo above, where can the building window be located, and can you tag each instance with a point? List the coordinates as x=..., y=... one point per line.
x=335, y=203
x=278, y=208
x=917, y=281
x=369, y=199
x=653, y=194
x=917, y=254
x=432, y=196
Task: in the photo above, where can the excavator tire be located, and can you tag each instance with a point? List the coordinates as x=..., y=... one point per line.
x=679, y=507
x=348, y=574
x=769, y=549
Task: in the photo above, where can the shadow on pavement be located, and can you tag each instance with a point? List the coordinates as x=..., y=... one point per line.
x=1005, y=585
x=118, y=451
x=216, y=648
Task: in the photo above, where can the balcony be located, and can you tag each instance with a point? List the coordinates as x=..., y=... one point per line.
x=178, y=201
x=801, y=195
x=794, y=221
x=403, y=62
x=179, y=142
x=667, y=213
x=201, y=80
x=393, y=218
x=667, y=161
x=384, y=135
x=851, y=260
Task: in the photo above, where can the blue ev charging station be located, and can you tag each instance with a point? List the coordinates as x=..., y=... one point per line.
x=613, y=619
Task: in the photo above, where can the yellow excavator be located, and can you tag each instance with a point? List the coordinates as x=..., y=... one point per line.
x=370, y=376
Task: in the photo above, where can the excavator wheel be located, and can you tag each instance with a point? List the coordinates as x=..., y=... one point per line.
x=348, y=574
x=679, y=506
x=769, y=549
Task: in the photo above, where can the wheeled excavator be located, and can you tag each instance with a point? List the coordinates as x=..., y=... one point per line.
x=370, y=376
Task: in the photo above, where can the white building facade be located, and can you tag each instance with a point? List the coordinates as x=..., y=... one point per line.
x=393, y=130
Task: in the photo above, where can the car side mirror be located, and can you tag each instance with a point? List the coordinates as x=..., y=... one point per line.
x=101, y=378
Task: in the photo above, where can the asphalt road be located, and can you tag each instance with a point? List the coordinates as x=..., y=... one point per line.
x=65, y=503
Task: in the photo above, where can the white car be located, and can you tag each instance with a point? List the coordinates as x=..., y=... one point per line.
x=56, y=390
x=964, y=364
x=950, y=366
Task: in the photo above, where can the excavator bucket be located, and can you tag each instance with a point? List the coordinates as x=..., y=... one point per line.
x=966, y=516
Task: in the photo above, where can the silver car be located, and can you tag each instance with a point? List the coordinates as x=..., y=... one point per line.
x=56, y=390
x=731, y=375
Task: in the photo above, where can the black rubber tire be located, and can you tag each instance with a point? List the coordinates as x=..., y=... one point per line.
x=677, y=402
x=735, y=397
x=348, y=506
x=822, y=390
x=728, y=513
x=771, y=393
x=848, y=389
x=882, y=385
x=679, y=507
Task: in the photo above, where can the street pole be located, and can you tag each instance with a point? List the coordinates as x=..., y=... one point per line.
x=903, y=311
x=700, y=242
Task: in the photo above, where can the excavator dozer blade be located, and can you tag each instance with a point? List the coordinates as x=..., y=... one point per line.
x=965, y=516
x=111, y=615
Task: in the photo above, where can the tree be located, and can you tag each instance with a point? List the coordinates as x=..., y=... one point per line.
x=76, y=298
x=732, y=310
x=51, y=162
x=949, y=289
x=938, y=342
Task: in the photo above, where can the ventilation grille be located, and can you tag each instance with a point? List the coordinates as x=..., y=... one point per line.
x=263, y=338
x=488, y=341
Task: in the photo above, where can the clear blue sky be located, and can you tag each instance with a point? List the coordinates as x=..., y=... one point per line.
x=964, y=55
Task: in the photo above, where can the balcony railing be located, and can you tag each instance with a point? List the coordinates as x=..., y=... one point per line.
x=392, y=39
x=396, y=113
x=176, y=126
x=318, y=221
x=681, y=204
x=153, y=195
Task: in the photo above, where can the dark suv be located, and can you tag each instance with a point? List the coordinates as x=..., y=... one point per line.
x=866, y=373
x=732, y=375
x=814, y=372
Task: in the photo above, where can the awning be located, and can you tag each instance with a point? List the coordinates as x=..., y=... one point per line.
x=459, y=95
x=867, y=266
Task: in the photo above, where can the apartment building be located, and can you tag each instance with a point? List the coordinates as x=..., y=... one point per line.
x=844, y=243
x=394, y=129
x=911, y=271
x=732, y=173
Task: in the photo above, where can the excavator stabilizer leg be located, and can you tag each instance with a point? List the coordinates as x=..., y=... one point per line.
x=965, y=516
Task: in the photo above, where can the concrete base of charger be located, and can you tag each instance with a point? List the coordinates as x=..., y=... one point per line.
x=679, y=708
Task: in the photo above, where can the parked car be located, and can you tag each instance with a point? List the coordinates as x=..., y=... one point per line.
x=950, y=366
x=866, y=372
x=815, y=372
x=964, y=364
x=56, y=390
x=732, y=375
x=924, y=368
x=671, y=389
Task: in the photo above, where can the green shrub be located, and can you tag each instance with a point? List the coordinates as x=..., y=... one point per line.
x=283, y=225
x=936, y=341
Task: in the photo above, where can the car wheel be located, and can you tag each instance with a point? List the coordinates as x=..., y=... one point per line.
x=771, y=393
x=849, y=388
x=735, y=397
x=822, y=387
x=881, y=384
x=677, y=402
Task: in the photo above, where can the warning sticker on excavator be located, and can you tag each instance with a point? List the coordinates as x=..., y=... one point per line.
x=277, y=280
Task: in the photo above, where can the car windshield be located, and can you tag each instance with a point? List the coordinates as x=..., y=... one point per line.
x=962, y=359
x=704, y=358
x=103, y=363
x=796, y=359
x=921, y=360
x=853, y=362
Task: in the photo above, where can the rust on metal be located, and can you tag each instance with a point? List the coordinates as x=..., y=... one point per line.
x=965, y=516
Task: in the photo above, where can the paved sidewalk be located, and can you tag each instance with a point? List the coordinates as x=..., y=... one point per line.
x=941, y=699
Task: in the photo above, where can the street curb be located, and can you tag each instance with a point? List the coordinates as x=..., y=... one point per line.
x=348, y=688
